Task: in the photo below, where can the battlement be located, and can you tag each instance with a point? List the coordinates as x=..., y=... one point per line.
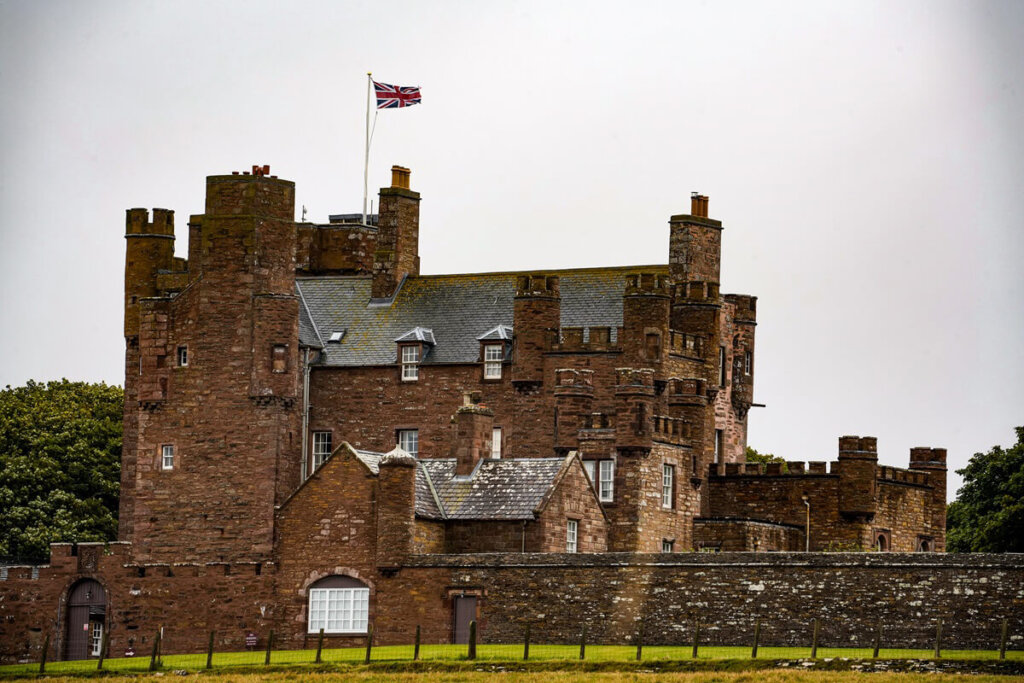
x=745, y=307
x=647, y=284
x=771, y=469
x=858, y=447
x=137, y=223
x=687, y=389
x=696, y=292
x=923, y=457
x=901, y=476
x=255, y=193
x=572, y=380
x=537, y=285
x=584, y=339
x=634, y=377
x=671, y=429
x=684, y=344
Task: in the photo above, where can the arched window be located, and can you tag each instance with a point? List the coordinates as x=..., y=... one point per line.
x=339, y=604
x=882, y=543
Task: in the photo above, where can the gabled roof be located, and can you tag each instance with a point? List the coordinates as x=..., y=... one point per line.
x=458, y=309
x=421, y=334
x=499, y=333
x=497, y=489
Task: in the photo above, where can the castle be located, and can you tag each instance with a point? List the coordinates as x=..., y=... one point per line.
x=308, y=421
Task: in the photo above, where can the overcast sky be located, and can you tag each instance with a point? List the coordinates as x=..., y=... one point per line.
x=866, y=159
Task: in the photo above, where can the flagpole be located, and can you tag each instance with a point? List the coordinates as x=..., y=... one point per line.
x=366, y=159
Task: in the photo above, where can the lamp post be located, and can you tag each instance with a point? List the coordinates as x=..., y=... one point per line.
x=807, y=524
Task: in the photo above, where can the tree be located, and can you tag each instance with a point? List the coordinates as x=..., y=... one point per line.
x=754, y=456
x=60, y=451
x=988, y=513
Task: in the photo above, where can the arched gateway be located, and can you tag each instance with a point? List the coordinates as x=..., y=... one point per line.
x=87, y=612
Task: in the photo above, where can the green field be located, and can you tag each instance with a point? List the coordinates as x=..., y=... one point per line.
x=489, y=654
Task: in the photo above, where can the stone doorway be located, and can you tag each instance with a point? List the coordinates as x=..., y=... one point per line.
x=87, y=616
x=465, y=612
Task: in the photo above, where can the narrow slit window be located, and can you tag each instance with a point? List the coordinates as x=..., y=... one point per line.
x=279, y=358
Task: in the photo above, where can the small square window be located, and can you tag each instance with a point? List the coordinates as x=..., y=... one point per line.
x=409, y=441
x=167, y=457
x=571, y=534
x=667, y=546
x=410, y=363
x=494, y=354
x=182, y=356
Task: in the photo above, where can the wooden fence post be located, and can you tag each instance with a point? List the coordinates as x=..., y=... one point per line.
x=319, y=646
x=104, y=645
x=814, y=642
x=156, y=652
x=938, y=639
x=1002, y=640
x=639, y=642
x=209, y=652
x=270, y=644
x=878, y=640
x=416, y=648
x=757, y=638
x=369, y=643
x=526, y=643
x=696, y=636
x=46, y=650
x=471, y=651
x=583, y=642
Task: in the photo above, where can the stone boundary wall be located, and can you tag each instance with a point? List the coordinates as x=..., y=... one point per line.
x=850, y=593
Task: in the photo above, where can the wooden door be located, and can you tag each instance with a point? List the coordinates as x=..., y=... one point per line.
x=465, y=612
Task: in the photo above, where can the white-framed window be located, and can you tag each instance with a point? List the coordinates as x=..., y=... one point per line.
x=667, y=546
x=571, y=534
x=590, y=466
x=496, y=443
x=167, y=456
x=410, y=363
x=182, y=356
x=494, y=354
x=338, y=609
x=321, y=448
x=95, y=638
x=409, y=441
x=668, y=483
x=606, y=485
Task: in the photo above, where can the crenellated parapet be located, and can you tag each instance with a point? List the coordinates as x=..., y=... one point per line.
x=584, y=340
x=634, y=392
x=149, y=251
x=697, y=293
x=574, y=399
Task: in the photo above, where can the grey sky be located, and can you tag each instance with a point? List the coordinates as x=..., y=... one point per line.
x=866, y=158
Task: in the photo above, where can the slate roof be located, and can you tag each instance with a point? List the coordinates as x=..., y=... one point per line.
x=457, y=308
x=496, y=490
x=510, y=489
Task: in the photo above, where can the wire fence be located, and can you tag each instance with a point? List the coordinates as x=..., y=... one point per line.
x=697, y=641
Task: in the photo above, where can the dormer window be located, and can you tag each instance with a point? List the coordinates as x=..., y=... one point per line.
x=411, y=351
x=494, y=355
x=411, y=354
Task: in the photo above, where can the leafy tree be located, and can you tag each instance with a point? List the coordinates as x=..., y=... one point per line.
x=754, y=456
x=988, y=513
x=60, y=451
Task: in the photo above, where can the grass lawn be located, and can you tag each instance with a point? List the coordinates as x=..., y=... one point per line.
x=486, y=654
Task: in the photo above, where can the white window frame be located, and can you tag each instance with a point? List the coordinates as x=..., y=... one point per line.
x=95, y=638
x=606, y=484
x=496, y=443
x=319, y=452
x=405, y=437
x=668, y=546
x=339, y=610
x=183, y=356
x=590, y=467
x=668, y=482
x=167, y=456
x=494, y=356
x=411, y=362
x=572, y=531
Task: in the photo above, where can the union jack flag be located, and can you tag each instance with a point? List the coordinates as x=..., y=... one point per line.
x=396, y=96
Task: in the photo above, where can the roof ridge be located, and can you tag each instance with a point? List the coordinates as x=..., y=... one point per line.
x=433, y=492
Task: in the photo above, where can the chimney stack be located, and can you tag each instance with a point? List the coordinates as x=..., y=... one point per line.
x=472, y=437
